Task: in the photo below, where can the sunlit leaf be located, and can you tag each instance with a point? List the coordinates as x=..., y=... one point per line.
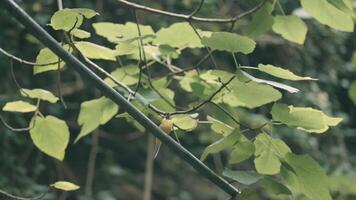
x=281, y=73
x=307, y=119
x=39, y=94
x=19, y=106
x=94, y=51
x=231, y=42
x=123, y=32
x=50, y=135
x=250, y=94
x=67, y=19
x=65, y=186
x=184, y=122
x=46, y=56
x=269, y=153
x=180, y=35
x=127, y=75
x=328, y=14
x=94, y=113
x=291, y=28
x=80, y=33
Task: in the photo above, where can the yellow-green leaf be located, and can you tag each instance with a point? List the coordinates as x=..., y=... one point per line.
x=68, y=19
x=184, y=122
x=250, y=94
x=307, y=119
x=328, y=14
x=231, y=42
x=269, y=153
x=80, y=33
x=94, y=113
x=311, y=178
x=39, y=94
x=127, y=75
x=242, y=151
x=46, y=56
x=180, y=35
x=94, y=51
x=352, y=92
x=123, y=32
x=291, y=28
x=65, y=186
x=50, y=135
x=281, y=73
x=19, y=106
x=224, y=143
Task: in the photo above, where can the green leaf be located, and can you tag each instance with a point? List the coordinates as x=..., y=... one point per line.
x=269, y=153
x=80, y=33
x=281, y=73
x=123, y=32
x=274, y=188
x=291, y=28
x=307, y=119
x=329, y=15
x=39, y=94
x=343, y=184
x=46, y=56
x=244, y=177
x=127, y=75
x=65, y=186
x=262, y=21
x=242, y=151
x=250, y=94
x=231, y=42
x=219, y=127
x=180, y=35
x=50, y=135
x=94, y=51
x=68, y=19
x=184, y=122
x=94, y=113
x=310, y=176
x=19, y=106
x=224, y=143
x=352, y=92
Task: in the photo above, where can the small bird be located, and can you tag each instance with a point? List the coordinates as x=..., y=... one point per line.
x=167, y=126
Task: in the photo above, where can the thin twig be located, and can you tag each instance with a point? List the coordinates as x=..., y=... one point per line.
x=139, y=41
x=22, y=61
x=147, y=190
x=91, y=164
x=59, y=88
x=30, y=126
x=196, y=107
x=197, y=9
x=207, y=48
x=176, y=15
x=144, y=60
x=11, y=196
